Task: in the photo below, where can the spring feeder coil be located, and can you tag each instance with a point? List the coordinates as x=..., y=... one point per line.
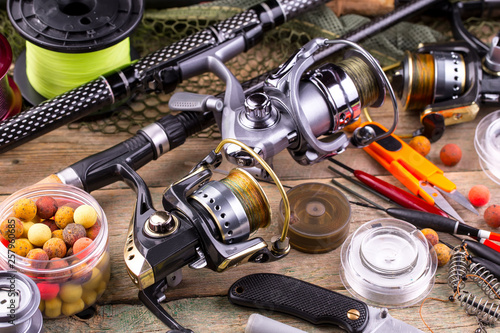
x=70, y=42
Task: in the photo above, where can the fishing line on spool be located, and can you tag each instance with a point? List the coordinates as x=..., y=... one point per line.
x=53, y=73
x=69, y=43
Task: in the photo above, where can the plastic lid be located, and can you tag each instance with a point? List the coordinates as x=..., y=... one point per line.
x=320, y=217
x=19, y=301
x=487, y=145
x=75, y=26
x=388, y=263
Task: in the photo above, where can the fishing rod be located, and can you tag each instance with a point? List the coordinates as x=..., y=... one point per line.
x=171, y=131
x=154, y=234
x=160, y=71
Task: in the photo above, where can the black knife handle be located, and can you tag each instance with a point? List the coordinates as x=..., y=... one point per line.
x=307, y=301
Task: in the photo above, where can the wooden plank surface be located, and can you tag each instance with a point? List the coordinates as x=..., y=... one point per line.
x=200, y=301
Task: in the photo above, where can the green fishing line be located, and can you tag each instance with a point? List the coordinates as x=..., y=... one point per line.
x=52, y=73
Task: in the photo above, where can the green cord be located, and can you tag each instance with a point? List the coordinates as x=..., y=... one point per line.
x=52, y=73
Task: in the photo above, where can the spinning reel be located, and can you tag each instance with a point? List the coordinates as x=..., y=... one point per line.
x=205, y=223
x=447, y=81
x=302, y=113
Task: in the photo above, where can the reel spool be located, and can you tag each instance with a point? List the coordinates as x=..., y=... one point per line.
x=10, y=96
x=320, y=217
x=70, y=42
x=357, y=83
x=388, y=263
x=339, y=94
x=444, y=82
x=429, y=78
x=236, y=205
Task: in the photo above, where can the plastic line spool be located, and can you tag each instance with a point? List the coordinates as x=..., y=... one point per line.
x=70, y=42
x=320, y=217
x=19, y=301
x=10, y=96
x=487, y=145
x=388, y=263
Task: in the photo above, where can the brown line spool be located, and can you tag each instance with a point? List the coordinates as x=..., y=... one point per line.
x=321, y=215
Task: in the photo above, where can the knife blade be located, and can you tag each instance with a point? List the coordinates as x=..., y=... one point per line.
x=312, y=303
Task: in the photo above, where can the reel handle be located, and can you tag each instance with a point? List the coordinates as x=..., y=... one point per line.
x=149, y=297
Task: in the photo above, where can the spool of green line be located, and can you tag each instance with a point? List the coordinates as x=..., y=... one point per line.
x=72, y=69
x=70, y=42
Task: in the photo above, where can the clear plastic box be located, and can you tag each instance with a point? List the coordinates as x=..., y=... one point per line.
x=81, y=278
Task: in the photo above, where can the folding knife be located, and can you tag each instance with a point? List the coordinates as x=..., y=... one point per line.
x=312, y=303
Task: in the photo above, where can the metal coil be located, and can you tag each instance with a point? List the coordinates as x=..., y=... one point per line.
x=485, y=280
x=458, y=269
x=482, y=308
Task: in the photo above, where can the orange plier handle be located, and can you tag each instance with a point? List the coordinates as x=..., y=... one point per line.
x=407, y=165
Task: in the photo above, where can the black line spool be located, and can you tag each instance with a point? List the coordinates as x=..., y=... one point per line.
x=70, y=27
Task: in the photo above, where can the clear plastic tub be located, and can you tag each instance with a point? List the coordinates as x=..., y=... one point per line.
x=80, y=279
x=487, y=145
x=388, y=263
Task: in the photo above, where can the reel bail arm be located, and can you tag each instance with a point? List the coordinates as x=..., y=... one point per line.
x=288, y=79
x=301, y=113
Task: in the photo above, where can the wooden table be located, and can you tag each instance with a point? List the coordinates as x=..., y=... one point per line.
x=200, y=301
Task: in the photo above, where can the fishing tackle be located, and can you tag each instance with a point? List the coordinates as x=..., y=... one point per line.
x=203, y=223
x=485, y=280
x=158, y=72
x=155, y=270
x=458, y=268
x=171, y=131
x=292, y=110
x=447, y=82
x=462, y=267
x=485, y=310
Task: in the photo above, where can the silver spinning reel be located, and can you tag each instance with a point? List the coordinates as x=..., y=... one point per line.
x=302, y=112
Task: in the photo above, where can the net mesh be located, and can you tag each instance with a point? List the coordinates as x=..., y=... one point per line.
x=165, y=26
